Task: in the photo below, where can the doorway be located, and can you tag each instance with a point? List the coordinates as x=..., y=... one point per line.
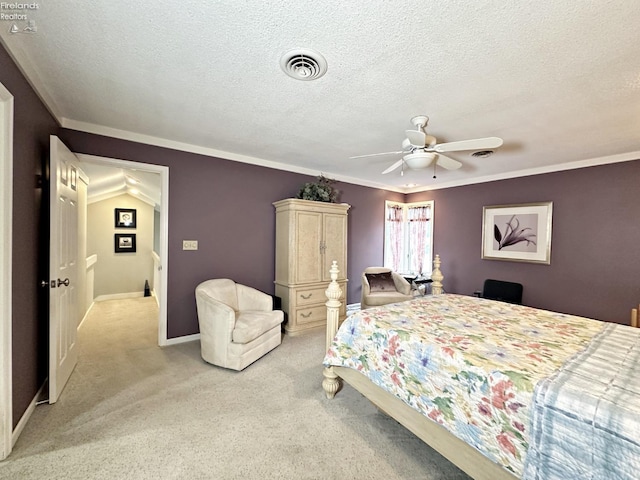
x=135, y=170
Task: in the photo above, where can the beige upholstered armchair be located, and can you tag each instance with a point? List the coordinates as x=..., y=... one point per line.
x=381, y=286
x=237, y=323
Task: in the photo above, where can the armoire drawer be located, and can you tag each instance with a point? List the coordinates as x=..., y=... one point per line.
x=309, y=296
x=317, y=313
x=311, y=314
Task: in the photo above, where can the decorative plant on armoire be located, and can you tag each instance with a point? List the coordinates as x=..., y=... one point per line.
x=322, y=190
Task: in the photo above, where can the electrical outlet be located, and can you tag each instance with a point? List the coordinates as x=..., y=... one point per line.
x=189, y=245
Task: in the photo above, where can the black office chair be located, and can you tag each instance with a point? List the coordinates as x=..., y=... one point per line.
x=510, y=292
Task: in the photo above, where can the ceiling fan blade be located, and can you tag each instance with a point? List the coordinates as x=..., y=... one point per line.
x=393, y=167
x=377, y=154
x=448, y=163
x=416, y=137
x=475, y=144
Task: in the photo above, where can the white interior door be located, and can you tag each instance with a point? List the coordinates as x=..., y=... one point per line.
x=63, y=302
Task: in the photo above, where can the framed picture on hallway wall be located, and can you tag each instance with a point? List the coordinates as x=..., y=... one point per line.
x=125, y=218
x=125, y=242
x=518, y=233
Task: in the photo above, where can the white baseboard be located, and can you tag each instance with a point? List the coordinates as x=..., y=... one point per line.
x=153, y=292
x=26, y=415
x=118, y=296
x=86, y=314
x=185, y=339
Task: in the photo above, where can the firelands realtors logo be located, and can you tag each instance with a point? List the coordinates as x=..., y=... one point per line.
x=18, y=14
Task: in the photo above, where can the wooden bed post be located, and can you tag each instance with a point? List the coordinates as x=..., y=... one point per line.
x=437, y=277
x=331, y=382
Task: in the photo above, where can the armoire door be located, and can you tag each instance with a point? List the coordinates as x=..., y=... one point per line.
x=308, y=257
x=334, y=244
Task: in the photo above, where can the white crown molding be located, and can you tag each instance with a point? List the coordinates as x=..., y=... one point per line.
x=161, y=142
x=592, y=162
x=181, y=146
x=211, y=152
x=31, y=74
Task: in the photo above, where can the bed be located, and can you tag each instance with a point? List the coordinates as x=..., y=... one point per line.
x=503, y=391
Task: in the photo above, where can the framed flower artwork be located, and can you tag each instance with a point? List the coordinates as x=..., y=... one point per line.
x=518, y=233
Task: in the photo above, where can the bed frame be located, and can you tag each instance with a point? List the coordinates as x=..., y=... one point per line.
x=461, y=454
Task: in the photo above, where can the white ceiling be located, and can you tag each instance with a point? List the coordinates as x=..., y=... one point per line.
x=559, y=81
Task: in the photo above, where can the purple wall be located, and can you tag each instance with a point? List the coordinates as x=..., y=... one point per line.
x=32, y=126
x=595, y=246
x=227, y=207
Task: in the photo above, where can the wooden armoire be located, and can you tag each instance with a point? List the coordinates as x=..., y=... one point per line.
x=309, y=236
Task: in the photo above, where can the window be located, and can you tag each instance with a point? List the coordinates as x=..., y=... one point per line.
x=408, y=237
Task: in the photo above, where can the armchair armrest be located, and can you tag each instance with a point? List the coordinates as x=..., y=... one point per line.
x=366, y=288
x=216, y=318
x=401, y=283
x=251, y=299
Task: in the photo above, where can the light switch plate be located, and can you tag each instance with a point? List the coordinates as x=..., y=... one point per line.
x=189, y=245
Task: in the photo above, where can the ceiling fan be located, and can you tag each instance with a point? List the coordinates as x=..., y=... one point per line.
x=422, y=150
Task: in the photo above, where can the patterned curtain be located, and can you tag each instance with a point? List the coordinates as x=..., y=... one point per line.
x=395, y=224
x=419, y=218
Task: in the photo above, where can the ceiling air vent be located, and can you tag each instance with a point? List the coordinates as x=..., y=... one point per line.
x=303, y=64
x=482, y=153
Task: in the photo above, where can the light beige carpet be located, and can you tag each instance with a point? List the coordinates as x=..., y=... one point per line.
x=132, y=410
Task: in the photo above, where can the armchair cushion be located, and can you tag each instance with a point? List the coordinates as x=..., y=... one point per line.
x=385, y=298
x=250, y=325
x=381, y=282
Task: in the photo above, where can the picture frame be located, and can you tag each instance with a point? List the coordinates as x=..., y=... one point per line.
x=125, y=242
x=125, y=217
x=517, y=233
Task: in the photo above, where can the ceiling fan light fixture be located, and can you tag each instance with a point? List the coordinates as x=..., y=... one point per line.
x=303, y=64
x=419, y=160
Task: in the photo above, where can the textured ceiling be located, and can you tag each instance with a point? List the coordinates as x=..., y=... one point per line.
x=559, y=81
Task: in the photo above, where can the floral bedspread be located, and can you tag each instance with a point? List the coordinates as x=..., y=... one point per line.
x=468, y=363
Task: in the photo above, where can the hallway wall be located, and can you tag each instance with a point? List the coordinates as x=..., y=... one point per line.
x=120, y=272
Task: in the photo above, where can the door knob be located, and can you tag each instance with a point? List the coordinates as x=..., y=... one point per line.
x=64, y=282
